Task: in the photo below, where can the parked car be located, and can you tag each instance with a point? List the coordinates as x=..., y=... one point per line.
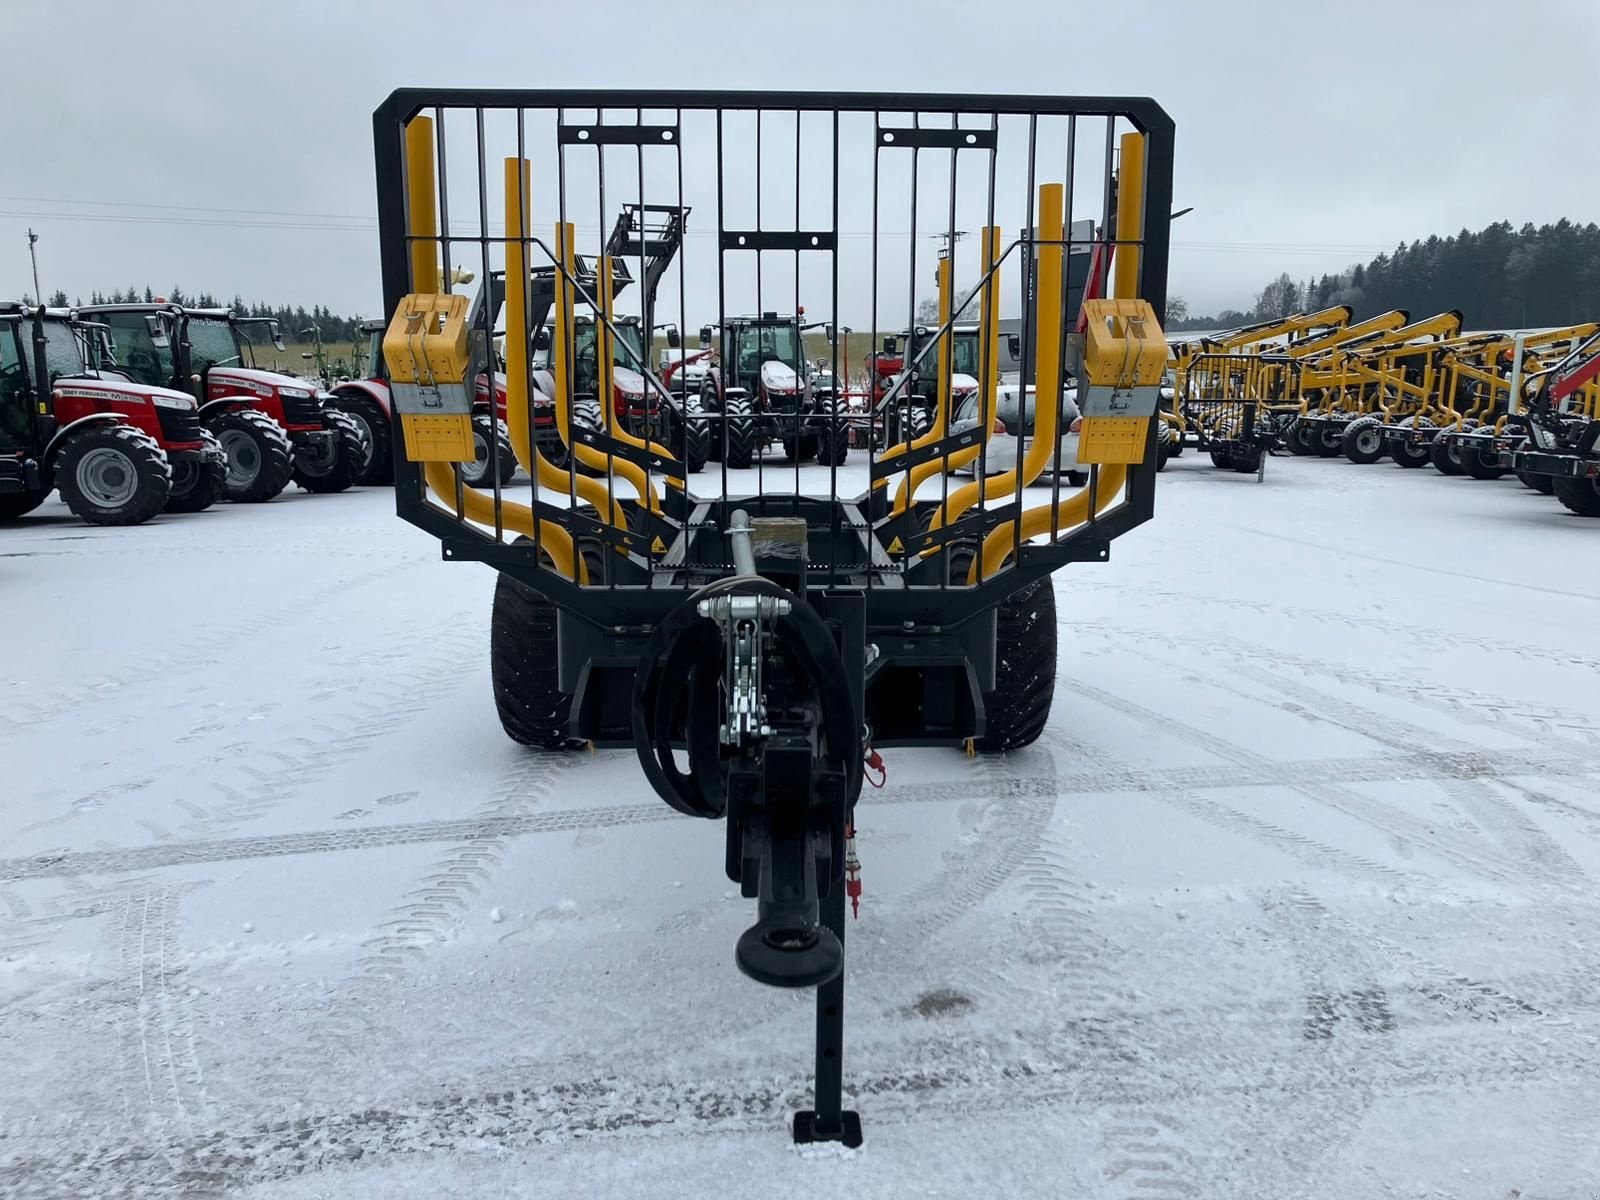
x=1014, y=412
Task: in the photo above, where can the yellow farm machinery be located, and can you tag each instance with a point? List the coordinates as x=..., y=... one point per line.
x=760, y=636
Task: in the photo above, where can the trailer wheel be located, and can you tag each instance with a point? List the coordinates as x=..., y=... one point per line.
x=739, y=430
x=1246, y=460
x=260, y=455
x=522, y=667
x=114, y=475
x=481, y=471
x=197, y=484
x=1545, y=485
x=1329, y=441
x=1445, y=456
x=1363, y=441
x=1025, y=669
x=1302, y=439
x=1221, y=457
x=338, y=469
x=1581, y=496
x=368, y=413
x=1407, y=455
x=1480, y=465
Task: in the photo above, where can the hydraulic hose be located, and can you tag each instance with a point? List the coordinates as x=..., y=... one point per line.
x=679, y=678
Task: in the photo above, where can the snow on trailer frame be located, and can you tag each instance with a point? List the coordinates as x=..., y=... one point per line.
x=773, y=633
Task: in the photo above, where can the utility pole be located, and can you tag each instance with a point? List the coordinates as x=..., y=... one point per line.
x=33, y=238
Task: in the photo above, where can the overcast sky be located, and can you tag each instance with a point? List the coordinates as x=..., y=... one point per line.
x=227, y=146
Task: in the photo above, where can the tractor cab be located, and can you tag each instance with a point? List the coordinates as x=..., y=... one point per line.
x=764, y=353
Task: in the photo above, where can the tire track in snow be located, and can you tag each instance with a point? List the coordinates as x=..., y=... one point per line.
x=1421, y=635
x=1532, y=848
x=576, y=1109
x=1466, y=854
x=48, y=702
x=1113, y=778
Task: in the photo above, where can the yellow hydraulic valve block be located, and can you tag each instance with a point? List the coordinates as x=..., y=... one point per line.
x=430, y=364
x=1124, y=355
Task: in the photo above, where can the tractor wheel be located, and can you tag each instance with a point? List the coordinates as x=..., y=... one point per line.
x=1444, y=455
x=1221, y=457
x=907, y=425
x=586, y=412
x=480, y=472
x=1363, y=441
x=1543, y=484
x=523, y=657
x=338, y=469
x=114, y=475
x=833, y=446
x=369, y=414
x=1077, y=479
x=739, y=428
x=1482, y=466
x=1024, y=669
x=1246, y=460
x=198, y=484
x=1330, y=441
x=1164, y=453
x=17, y=504
x=1302, y=438
x=1581, y=496
x=260, y=455
x=696, y=437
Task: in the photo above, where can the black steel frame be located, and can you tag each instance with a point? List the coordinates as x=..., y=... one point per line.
x=642, y=599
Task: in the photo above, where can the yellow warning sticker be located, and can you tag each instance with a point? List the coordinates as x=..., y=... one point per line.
x=658, y=546
x=895, y=547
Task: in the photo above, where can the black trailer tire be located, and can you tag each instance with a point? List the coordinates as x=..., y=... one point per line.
x=369, y=414
x=18, y=504
x=352, y=453
x=1025, y=669
x=1221, y=457
x=1545, y=485
x=1077, y=479
x=1407, y=455
x=260, y=455
x=1480, y=466
x=523, y=656
x=1164, y=452
x=1301, y=438
x=739, y=430
x=198, y=484
x=481, y=471
x=1363, y=441
x=1444, y=456
x=1330, y=441
x=1246, y=460
x=1581, y=496
x=113, y=475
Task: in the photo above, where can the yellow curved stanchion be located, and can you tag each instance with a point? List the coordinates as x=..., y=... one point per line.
x=542, y=469
x=1001, y=543
x=941, y=413
x=425, y=278
x=566, y=254
x=1048, y=367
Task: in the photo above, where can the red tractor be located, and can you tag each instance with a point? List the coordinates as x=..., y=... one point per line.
x=119, y=451
x=273, y=427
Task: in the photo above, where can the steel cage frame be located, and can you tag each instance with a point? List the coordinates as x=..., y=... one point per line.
x=903, y=606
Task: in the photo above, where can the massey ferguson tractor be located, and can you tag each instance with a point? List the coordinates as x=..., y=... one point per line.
x=1562, y=421
x=117, y=450
x=273, y=427
x=761, y=391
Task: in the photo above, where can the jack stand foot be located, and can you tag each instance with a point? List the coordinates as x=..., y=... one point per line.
x=806, y=1129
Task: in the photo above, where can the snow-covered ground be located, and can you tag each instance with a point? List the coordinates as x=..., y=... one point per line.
x=1297, y=897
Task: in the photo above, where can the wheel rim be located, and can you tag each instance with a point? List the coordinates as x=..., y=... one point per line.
x=244, y=458
x=185, y=474
x=1367, y=441
x=107, y=477
x=318, y=458
x=480, y=457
